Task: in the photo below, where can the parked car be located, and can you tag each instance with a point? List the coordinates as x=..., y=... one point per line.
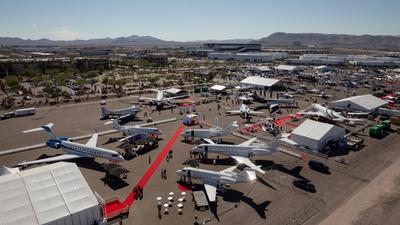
x=103, y=102
x=318, y=166
x=305, y=185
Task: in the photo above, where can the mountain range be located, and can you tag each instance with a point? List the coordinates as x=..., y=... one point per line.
x=279, y=39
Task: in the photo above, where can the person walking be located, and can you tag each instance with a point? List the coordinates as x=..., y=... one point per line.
x=149, y=159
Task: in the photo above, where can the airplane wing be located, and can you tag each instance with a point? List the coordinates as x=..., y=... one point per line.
x=209, y=141
x=228, y=170
x=249, y=142
x=146, y=98
x=312, y=113
x=255, y=112
x=93, y=140
x=51, y=159
x=124, y=116
x=211, y=191
x=248, y=163
x=233, y=112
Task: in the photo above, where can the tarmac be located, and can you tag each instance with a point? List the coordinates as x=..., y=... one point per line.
x=272, y=199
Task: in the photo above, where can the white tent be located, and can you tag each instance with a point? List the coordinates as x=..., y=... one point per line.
x=51, y=194
x=259, y=81
x=363, y=103
x=315, y=135
x=218, y=87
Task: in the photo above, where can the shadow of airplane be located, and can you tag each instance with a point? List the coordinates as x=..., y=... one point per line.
x=114, y=183
x=85, y=162
x=237, y=196
x=295, y=172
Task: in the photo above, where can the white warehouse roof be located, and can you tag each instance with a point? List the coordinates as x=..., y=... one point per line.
x=364, y=103
x=259, y=81
x=288, y=68
x=218, y=87
x=51, y=194
x=307, y=135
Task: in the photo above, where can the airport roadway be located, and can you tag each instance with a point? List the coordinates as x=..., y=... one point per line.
x=270, y=200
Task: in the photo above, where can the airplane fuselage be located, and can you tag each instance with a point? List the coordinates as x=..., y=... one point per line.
x=86, y=151
x=202, y=133
x=232, y=150
x=207, y=175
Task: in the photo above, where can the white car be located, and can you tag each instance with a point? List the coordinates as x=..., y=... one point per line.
x=103, y=102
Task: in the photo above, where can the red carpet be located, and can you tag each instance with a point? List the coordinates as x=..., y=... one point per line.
x=113, y=208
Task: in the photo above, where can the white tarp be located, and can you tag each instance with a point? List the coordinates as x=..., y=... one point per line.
x=51, y=194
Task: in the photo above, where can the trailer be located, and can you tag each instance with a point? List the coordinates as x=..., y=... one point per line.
x=25, y=112
x=200, y=200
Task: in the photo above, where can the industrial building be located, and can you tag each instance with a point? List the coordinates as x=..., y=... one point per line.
x=232, y=47
x=52, y=194
x=358, y=60
x=360, y=103
x=317, y=139
x=248, y=57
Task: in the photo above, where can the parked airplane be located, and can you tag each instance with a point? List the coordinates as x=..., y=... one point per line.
x=119, y=113
x=73, y=150
x=287, y=102
x=321, y=111
x=244, y=111
x=247, y=98
x=241, y=152
x=214, y=179
x=137, y=129
x=211, y=132
x=159, y=101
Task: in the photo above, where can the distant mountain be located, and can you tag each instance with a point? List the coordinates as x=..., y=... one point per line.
x=133, y=40
x=332, y=40
x=274, y=40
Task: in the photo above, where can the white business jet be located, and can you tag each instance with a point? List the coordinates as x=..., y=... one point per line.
x=73, y=150
x=241, y=152
x=119, y=113
x=244, y=111
x=216, y=179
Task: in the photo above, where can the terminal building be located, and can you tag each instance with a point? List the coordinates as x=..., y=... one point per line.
x=232, y=47
x=248, y=56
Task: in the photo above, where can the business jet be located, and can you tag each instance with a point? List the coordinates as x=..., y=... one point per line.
x=160, y=100
x=241, y=152
x=212, y=132
x=213, y=180
x=321, y=111
x=73, y=150
x=130, y=130
x=119, y=113
x=244, y=111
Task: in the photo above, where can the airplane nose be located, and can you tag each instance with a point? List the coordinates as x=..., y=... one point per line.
x=179, y=172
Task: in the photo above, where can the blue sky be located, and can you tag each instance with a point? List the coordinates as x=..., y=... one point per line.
x=185, y=20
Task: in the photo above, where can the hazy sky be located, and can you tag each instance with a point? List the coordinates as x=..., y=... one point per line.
x=187, y=20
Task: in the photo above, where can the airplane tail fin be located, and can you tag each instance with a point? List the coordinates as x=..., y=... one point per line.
x=216, y=121
x=247, y=174
x=228, y=129
x=46, y=128
x=104, y=112
x=115, y=124
x=273, y=144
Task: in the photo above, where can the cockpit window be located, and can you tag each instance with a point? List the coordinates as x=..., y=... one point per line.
x=114, y=155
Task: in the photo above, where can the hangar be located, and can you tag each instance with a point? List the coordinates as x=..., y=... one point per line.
x=317, y=139
x=361, y=103
x=51, y=194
